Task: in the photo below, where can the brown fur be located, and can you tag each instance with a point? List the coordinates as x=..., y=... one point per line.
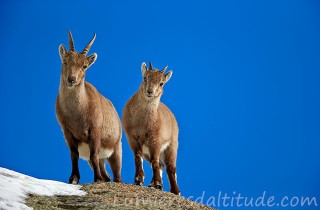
x=86, y=117
x=150, y=125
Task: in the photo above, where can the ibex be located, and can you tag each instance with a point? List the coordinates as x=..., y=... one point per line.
x=152, y=129
x=90, y=123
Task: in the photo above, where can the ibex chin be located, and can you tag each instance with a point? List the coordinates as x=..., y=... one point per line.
x=90, y=123
x=152, y=129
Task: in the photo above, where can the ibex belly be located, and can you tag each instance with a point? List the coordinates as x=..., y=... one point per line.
x=146, y=150
x=84, y=152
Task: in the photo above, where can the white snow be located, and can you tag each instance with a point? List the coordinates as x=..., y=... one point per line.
x=15, y=187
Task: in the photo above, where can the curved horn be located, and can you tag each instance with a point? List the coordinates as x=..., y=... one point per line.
x=150, y=65
x=71, y=43
x=87, y=48
x=164, y=69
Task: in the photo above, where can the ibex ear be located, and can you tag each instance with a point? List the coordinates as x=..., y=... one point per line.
x=143, y=68
x=92, y=58
x=168, y=75
x=62, y=51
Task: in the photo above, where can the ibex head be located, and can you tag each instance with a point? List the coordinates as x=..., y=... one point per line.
x=74, y=64
x=153, y=80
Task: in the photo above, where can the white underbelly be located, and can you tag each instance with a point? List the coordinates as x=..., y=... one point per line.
x=146, y=151
x=84, y=152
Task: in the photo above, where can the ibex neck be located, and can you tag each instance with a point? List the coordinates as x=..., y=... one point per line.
x=72, y=97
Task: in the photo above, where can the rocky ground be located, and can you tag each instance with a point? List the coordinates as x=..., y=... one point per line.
x=114, y=196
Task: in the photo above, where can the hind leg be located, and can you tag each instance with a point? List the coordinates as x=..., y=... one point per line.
x=170, y=158
x=104, y=173
x=161, y=171
x=103, y=170
x=156, y=166
x=115, y=161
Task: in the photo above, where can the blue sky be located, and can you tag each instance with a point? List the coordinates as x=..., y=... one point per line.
x=245, y=87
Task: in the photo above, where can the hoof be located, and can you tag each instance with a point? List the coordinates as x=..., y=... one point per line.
x=118, y=180
x=98, y=179
x=138, y=180
x=157, y=185
x=177, y=192
x=74, y=180
x=138, y=183
x=106, y=179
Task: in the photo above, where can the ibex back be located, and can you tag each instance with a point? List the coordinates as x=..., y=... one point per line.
x=90, y=123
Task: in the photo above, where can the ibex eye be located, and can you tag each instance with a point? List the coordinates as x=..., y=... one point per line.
x=161, y=84
x=144, y=79
x=85, y=66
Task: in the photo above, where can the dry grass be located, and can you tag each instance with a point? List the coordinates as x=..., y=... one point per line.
x=115, y=196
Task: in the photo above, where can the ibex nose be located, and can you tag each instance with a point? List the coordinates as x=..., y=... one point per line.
x=150, y=92
x=71, y=79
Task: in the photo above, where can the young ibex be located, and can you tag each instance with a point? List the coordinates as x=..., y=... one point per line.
x=90, y=123
x=152, y=129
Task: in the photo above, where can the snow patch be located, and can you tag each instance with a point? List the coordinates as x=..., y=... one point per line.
x=14, y=188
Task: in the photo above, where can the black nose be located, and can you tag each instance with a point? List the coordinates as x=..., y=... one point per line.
x=71, y=79
x=150, y=92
